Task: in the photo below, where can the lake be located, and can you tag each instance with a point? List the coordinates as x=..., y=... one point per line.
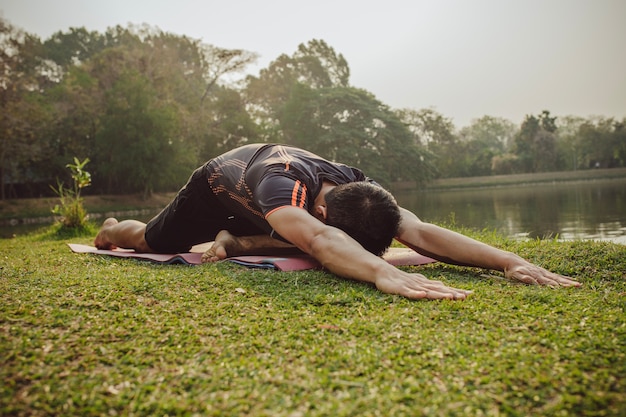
x=592, y=209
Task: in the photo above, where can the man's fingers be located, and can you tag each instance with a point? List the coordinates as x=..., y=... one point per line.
x=526, y=279
x=437, y=292
x=565, y=281
x=434, y=295
x=540, y=276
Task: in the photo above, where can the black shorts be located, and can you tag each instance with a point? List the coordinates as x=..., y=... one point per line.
x=194, y=216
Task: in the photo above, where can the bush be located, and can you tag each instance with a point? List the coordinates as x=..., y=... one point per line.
x=72, y=211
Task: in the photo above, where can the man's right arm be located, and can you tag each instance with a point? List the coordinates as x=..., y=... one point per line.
x=343, y=256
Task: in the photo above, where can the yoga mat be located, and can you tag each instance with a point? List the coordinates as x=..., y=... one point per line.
x=395, y=256
x=181, y=258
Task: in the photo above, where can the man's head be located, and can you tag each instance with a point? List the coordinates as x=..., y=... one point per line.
x=368, y=213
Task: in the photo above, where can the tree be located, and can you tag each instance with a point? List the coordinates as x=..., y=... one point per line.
x=568, y=143
x=306, y=100
x=143, y=78
x=77, y=45
x=137, y=148
x=315, y=65
x=535, y=143
x=228, y=124
x=602, y=143
x=220, y=61
x=483, y=140
x=436, y=133
x=23, y=112
x=349, y=125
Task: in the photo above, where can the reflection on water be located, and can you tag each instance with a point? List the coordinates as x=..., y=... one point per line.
x=578, y=210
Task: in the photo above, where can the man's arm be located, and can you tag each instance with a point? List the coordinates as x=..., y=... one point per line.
x=343, y=256
x=454, y=248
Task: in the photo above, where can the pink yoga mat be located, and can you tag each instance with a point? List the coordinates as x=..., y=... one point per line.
x=395, y=256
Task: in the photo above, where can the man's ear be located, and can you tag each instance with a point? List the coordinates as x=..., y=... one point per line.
x=320, y=212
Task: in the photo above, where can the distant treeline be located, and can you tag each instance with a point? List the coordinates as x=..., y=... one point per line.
x=147, y=107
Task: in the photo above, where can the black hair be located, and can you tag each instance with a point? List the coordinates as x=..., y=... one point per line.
x=365, y=211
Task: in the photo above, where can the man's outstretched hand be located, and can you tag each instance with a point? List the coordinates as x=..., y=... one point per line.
x=417, y=286
x=534, y=275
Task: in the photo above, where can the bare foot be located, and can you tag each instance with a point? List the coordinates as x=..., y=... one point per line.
x=225, y=245
x=101, y=242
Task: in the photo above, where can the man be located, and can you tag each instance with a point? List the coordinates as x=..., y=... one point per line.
x=264, y=198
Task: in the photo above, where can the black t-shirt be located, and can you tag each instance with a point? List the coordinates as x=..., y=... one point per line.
x=255, y=180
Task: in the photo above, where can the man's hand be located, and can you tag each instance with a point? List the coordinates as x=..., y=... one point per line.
x=417, y=286
x=534, y=275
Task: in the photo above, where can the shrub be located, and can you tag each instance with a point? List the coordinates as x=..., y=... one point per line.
x=71, y=208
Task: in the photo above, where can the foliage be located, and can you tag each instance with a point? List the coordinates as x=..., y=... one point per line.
x=147, y=107
x=24, y=116
x=481, y=143
x=349, y=125
x=87, y=335
x=535, y=143
x=135, y=100
x=436, y=133
x=306, y=101
x=72, y=211
x=230, y=125
x=603, y=143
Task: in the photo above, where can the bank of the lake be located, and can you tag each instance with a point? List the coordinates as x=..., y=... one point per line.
x=516, y=179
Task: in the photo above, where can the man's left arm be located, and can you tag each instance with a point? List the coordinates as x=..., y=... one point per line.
x=455, y=248
x=345, y=257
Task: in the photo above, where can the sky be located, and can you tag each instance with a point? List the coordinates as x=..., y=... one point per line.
x=464, y=58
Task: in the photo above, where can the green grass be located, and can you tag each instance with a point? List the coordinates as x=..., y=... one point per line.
x=87, y=335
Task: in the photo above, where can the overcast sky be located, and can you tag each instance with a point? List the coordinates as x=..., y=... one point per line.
x=465, y=58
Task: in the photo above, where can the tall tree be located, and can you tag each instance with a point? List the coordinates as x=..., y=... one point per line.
x=351, y=126
x=482, y=141
x=73, y=47
x=137, y=148
x=569, y=145
x=306, y=100
x=535, y=144
x=314, y=64
x=163, y=75
x=220, y=62
x=603, y=143
x=228, y=124
x=436, y=132
x=23, y=112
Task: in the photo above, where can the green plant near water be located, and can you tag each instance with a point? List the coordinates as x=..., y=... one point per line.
x=71, y=208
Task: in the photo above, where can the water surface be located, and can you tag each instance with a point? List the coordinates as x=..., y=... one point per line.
x=573, y=210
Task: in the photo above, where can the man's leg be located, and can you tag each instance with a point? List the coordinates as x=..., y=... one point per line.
x=226, y=245
x=127, y=234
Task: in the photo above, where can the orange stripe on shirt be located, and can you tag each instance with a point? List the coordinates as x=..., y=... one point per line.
x=275, y=210
x=302, y=196
x=294, y=194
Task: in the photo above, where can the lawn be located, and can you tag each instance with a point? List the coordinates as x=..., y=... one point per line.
x=87, y=335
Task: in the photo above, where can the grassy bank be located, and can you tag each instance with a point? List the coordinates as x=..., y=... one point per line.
x=543, y=177
x=516, y=179
x=85, y=335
